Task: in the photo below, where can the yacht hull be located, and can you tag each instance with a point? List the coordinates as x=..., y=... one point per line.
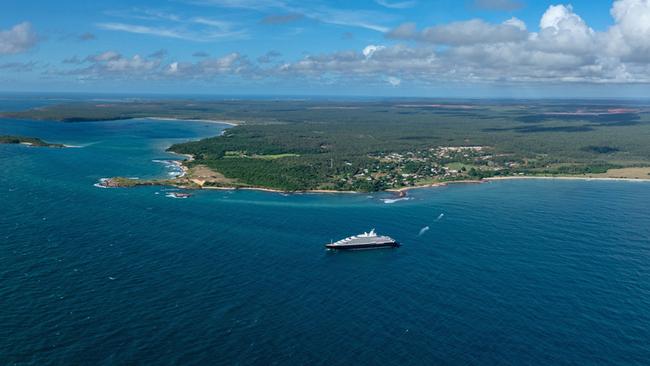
x=363, y=246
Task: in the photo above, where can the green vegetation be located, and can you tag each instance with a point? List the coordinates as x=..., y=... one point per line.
x=274, y=156
x=31, y=141
x=367, y=146
x=242, y=154
x=601, y=149
x=122, y=182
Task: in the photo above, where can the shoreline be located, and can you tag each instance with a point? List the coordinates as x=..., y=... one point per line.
x=433, y=185
x=230, y=122
x=401, y=192
x=519, y=177
x=272, y=190
x=568, y=177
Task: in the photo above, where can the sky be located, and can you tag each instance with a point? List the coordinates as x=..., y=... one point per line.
x=428, y=48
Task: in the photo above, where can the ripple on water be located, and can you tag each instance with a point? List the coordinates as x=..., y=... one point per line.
x=521, y=272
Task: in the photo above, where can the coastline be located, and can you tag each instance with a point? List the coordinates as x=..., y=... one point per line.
x=229, y=122
x=405, y=190
x=271, y=190
x=565, y=177
x=402, y=192
x=433, y=185
x=186, y=179
x=117, y=118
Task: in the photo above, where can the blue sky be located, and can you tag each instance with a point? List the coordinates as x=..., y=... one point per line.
x=473, y=48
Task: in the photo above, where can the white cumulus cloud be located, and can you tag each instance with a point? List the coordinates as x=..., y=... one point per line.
x=370, y=50
x=564, y=49
x=629, y=38
x=562, y=30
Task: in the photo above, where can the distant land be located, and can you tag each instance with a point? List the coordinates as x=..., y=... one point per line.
x=31, y=141
x=390, y=144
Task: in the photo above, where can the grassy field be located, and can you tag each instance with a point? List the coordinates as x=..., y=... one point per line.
x=633, y=173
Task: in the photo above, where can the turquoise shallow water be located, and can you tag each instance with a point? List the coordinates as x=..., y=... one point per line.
x=516, y=272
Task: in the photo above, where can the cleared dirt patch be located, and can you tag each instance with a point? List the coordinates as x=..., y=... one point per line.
x=201, y=174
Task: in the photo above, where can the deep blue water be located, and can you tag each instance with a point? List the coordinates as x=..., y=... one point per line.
x=514, y=273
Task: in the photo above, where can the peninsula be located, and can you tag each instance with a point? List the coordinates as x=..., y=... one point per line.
x=325, y=145
x=30, y=141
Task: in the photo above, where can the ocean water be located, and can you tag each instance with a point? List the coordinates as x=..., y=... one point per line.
x=508, y=273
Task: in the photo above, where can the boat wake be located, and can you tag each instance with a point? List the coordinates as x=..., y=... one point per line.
x=395, y=200
x=178, y=195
